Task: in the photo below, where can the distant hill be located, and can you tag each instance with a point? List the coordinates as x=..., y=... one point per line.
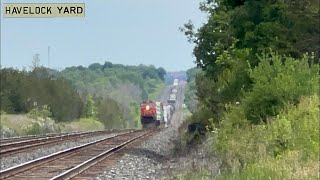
x=170, y=76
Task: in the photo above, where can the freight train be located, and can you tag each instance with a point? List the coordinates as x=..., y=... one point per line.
x=173, y=96
x=154, y=113
x=151, y=113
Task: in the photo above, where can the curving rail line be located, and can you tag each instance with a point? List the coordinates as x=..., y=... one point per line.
x=71, y=162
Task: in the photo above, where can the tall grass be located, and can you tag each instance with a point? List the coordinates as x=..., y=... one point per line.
x=84, y=124
x=273, y=133
x=287, y=148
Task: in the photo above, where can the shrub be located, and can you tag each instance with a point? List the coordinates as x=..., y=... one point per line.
x=277, y=81
x=43, y=112
x=41, y=126
x=287, y=147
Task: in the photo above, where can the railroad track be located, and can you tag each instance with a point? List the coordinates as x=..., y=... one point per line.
x=29, y=137
x=10, y=148
x=72, y=162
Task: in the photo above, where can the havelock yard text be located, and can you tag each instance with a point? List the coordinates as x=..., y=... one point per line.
x=43, y=10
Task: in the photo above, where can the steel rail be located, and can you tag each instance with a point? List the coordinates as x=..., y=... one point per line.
x=91, y=162
x=37, y=162
x=27, y=141
x=22, y=146
x=29, y=137
x=18, y=147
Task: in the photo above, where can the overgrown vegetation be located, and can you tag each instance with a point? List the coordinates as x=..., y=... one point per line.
x=287, y=148
x=281, y=122
x=190, y=91
x=41, y=122
x=22, y=91
x=259, y=86
x=108, y=93
x=37, y=121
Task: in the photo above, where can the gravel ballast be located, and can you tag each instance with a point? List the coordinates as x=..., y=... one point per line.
x=147, y=160
x=16, y=159
x=158, y=157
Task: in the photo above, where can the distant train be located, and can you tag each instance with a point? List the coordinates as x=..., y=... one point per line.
x=154, y=113
x=175, y=82
x=151, y=113
x=173, y=96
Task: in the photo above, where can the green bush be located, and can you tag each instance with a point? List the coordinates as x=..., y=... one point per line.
x=278, y=80
x=21, y=90
x=33, y=129
x=40, y=126
x=286, y=147
x=42, y=112
x=273, y=132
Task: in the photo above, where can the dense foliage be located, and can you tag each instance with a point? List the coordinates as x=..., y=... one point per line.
x=22, y=91
x=259, y=89
x=110, y=93
x=289, y=27
x=190, y=92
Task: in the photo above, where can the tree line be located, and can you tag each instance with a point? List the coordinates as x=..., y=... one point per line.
x=118, y=86
x=97, y=91
x=22, y=91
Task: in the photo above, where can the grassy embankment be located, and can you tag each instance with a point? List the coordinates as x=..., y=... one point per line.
x=283, y=146
x=285, y=149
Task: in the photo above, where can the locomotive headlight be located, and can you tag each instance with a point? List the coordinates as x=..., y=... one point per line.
x=147, y=107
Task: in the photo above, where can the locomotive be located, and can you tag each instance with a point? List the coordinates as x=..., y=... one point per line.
x=154, y=113
x=151, y=113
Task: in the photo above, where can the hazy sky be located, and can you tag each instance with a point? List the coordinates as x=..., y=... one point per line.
x=129, y=32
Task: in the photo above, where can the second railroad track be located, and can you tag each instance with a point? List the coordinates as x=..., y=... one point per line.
x=18, y=146
x=71, y=162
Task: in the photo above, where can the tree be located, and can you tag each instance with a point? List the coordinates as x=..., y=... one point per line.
x=90, y=107
x=161, y=73
x=21, y=89
x=95, y=66
x=107, y=65
x=109, y=113
x=255, y=25
x=125, y=85
x=35, y=62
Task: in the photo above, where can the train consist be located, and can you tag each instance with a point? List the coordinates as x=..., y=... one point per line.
x=173, y=95
x=155, y=113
